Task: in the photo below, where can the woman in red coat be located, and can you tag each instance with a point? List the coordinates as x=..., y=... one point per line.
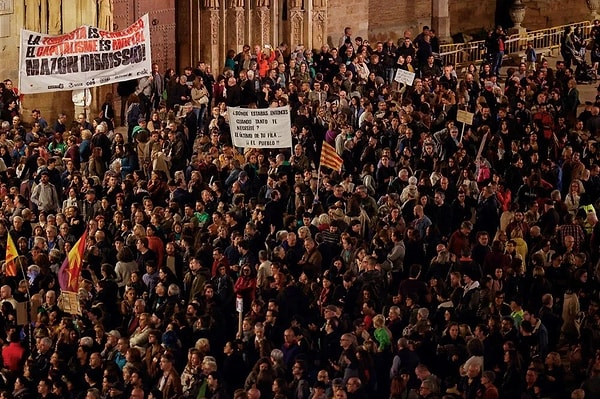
x=245, y=286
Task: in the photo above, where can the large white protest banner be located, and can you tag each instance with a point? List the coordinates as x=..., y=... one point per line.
x=85, y=57
x=260, y=128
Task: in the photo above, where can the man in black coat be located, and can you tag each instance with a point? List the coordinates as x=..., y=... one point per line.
x=487, y=212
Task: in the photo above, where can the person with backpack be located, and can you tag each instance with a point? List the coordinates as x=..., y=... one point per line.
x=124, y=90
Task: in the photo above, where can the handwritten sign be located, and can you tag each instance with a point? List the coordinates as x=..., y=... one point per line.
x=69, y=302
x=260, y=128
x=406, y=77
x=465, y=117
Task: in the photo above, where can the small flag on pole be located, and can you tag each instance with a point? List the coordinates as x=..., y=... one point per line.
x=68, y=274
x=11, y=257
x=330, y=158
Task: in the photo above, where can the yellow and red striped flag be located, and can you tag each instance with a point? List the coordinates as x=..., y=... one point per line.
x=68, y=274
x=330, y=158
x=11, y=257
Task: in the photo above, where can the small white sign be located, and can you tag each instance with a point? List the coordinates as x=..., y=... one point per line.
x=239, y=304
x=260, y=128
x=465, y=117
x=406, y=77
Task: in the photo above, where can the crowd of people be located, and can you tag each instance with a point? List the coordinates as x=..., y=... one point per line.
x=442, y=261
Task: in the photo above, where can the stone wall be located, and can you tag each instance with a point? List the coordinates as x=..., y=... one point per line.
x=472, y=16
x=11, y=22
x=391, y=20
x=546, y=13
x=342, y=13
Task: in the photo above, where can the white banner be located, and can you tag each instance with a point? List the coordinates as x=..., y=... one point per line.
x=406, y=77
x=260, y=128
x=85, y=57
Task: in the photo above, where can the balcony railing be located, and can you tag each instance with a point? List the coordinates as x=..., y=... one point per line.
x=462, y=54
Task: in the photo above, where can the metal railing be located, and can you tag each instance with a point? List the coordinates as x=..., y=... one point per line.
x=462, y=54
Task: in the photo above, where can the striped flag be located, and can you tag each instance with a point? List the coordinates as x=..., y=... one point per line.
x=11, y=257
x=68, y=274
x=330, y=158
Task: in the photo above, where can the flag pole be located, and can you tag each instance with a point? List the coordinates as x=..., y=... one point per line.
x=24, y=278
x=29, y=304
x=318, y=181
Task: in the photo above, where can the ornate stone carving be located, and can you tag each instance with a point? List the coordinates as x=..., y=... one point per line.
x=264, y=23
x=236, y=4
x=8, y=6
x=263, y=3
x=210, y=4
x=295, y=4
x=239, y=26
x=517, y=13
x=296, y=22
x=215, y=21
x=319, y=16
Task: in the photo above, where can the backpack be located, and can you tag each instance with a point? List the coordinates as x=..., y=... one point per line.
x=134, y=114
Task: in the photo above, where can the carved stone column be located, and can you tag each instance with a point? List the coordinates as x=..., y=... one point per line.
x=441, y=20
x=54, y=17
x=319, y=23
x=263, y=22
x=70, y=20
x=32, y=15
x=215, y=23
x=239, y=28
x=296, y=18
x=234, y=25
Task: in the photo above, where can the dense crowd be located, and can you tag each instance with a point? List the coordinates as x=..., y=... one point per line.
x=443, y=261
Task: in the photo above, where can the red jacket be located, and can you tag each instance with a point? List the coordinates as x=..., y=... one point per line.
x=12, y=354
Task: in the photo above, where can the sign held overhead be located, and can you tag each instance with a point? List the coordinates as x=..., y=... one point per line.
x=260, y=128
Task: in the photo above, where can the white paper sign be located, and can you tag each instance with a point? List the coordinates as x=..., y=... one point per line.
x=465, y=117
x=405, y=77
x=239, y=304
x=260, y=128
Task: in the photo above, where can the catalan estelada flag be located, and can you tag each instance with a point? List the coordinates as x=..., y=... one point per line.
x=330, y=158
x=11, y=257
x=68, y=274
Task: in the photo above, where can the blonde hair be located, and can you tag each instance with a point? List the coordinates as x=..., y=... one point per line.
x=306, y=230
x=86, y=134
x=202, y=343
x=378, y=321
x=324, y=219
x=139, y=231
